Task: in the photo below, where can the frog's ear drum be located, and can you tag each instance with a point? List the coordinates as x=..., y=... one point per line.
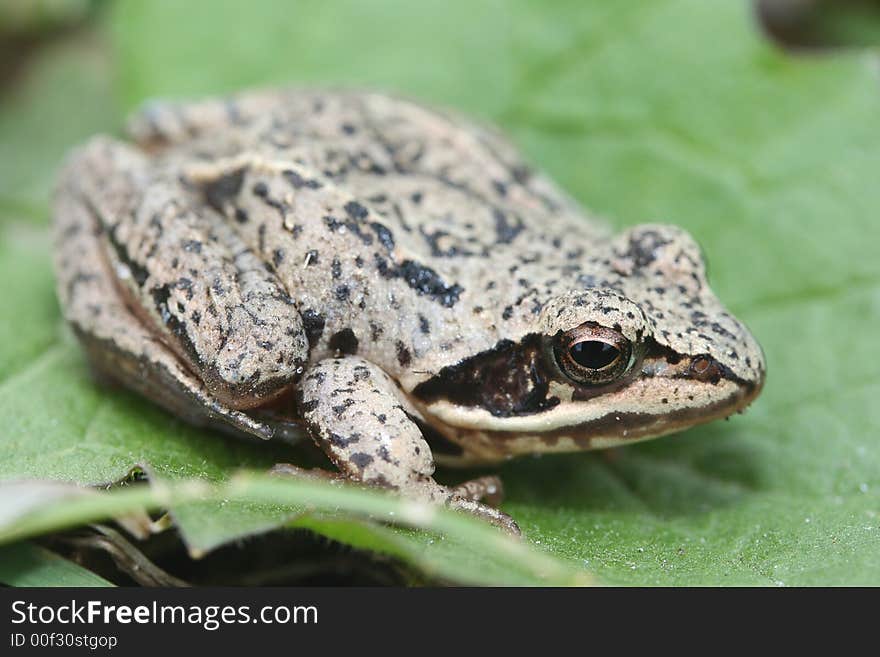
x=592, y=355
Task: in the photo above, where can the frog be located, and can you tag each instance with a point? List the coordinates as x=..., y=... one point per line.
x=392, y=280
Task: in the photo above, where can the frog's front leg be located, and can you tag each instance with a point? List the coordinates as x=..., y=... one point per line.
x=357, y=416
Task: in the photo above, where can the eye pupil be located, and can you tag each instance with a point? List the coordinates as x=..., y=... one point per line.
x=594, y=354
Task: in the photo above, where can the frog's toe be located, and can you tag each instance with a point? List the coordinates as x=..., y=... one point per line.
x=290, y=470
x=488, y=490
x=488, y=513
x=465, y=497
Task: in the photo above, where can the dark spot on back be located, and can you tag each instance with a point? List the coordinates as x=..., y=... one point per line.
x=192, y=246
x=355, y=210
x=385, y=236
x=223, y=189
x=298, y=182
x=313, y=325
x=344, y=341
x=521, y=174
x=186, y=285
x=341, y=441
x=361, y=459
x=339, y=409
x=261, y=238
x=404, y=357
x=425, y=280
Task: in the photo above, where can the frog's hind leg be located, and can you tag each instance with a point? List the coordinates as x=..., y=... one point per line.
x=181, y=270
x=216, y=123
x=355, y=413
x=161, y=123
x=119, y=347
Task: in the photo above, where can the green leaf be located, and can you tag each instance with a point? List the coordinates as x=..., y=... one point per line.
x=468, y=550
x=63, y=95
x=672, y=110
x=25, y=564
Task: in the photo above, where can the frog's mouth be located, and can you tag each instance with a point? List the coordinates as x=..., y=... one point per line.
x=530, y=408
x=596, y=423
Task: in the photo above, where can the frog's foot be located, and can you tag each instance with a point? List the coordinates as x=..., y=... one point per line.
x=488, y=513
x=318, y=474
x=488, y=489
x=357, y=416
x=465, y=497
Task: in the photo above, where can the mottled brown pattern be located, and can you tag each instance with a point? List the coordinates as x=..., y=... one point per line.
x=393, y=266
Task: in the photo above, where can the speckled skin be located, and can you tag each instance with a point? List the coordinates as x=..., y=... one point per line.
x=380, y=272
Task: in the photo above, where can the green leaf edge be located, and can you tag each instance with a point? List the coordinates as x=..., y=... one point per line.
x=527, y=564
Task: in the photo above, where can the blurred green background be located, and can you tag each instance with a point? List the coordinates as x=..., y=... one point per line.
x=682, y=111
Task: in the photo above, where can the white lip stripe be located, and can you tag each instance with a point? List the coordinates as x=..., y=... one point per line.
x=641, y=398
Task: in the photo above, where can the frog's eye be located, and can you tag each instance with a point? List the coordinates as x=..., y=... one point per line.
x=592, y=354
